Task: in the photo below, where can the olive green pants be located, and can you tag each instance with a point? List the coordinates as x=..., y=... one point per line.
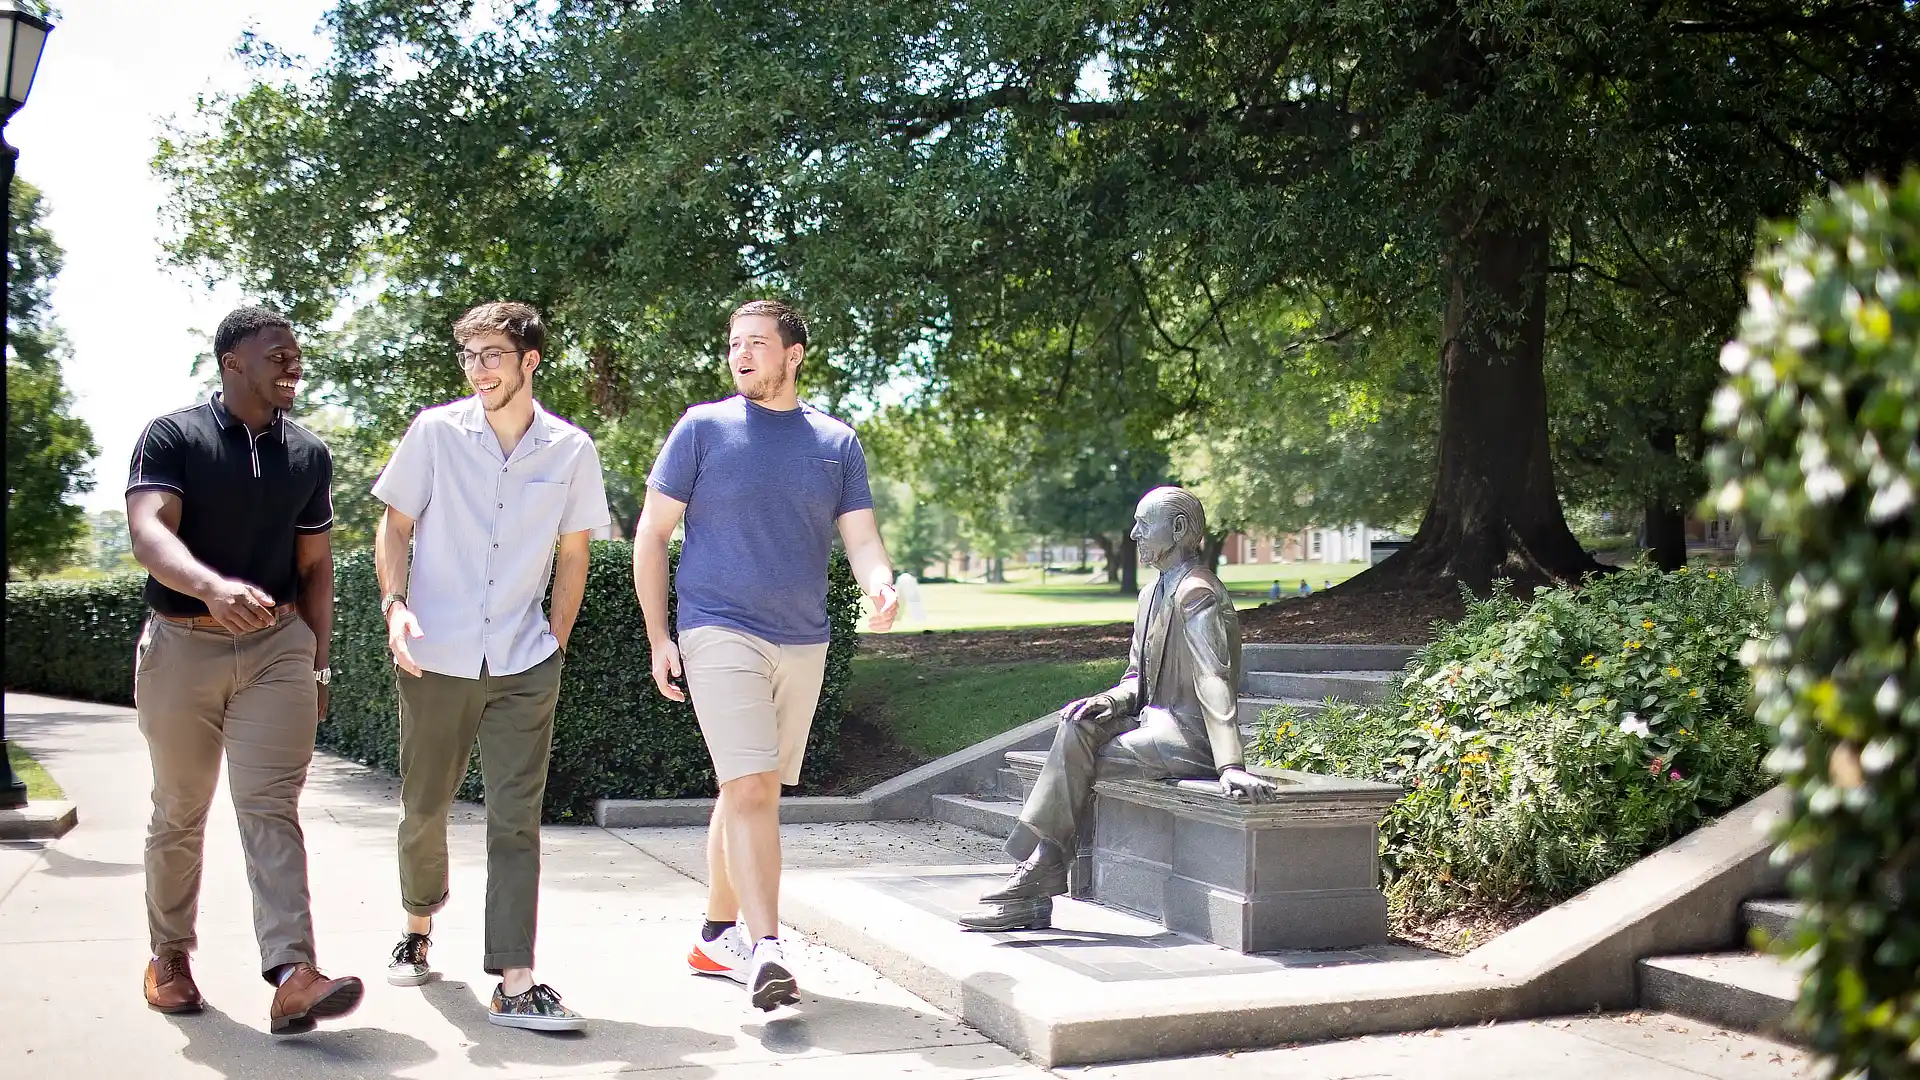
x=512, y=715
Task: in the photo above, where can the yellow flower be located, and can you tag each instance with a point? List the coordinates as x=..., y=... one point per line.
x=1713, y=573
x=1683, y=731
x=1673, y=673
x=1646, y=624
x=1632, y=645
x=1566, y=691
x=1588, y=660
x=1682, y=570
x=1695, y=692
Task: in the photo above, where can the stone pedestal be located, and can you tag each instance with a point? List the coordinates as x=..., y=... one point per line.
x=1298, y=873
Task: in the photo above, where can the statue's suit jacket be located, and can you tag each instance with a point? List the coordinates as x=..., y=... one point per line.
x=1175, y=716
x=1185, y=658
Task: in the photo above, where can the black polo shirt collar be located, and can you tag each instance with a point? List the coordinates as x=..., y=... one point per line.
x=227, y=420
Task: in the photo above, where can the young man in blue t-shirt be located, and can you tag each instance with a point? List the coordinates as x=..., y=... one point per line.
x=762, y=482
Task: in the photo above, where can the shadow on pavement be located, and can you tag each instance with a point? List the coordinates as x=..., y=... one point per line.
x=239, y=1052
x=60, y=864
x=634, y=1046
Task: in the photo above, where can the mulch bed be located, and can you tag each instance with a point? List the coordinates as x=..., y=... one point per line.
x=1460, y=932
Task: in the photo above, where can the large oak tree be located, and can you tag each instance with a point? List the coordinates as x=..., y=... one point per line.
x=1011, y=206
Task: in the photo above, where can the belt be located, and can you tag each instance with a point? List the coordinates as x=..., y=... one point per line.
x=208, y=622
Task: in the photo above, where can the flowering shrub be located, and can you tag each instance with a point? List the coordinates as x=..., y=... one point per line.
x=1819, y=421
x=1547, y=744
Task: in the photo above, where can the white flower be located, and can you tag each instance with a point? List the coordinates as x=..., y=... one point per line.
x=1633, y=725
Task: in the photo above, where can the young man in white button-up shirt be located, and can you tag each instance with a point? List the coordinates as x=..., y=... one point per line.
x=484, y=488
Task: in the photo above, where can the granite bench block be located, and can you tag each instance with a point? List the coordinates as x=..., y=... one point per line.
x=1301, y=872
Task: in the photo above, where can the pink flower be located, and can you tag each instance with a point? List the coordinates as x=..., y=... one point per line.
x=1674, y=775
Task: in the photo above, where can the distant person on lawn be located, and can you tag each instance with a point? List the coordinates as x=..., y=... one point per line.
x=485, y=488
x=763, y=482
x=229, y=504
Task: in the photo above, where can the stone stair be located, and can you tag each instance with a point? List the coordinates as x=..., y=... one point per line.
x=1746, y=990
x=1304, y=676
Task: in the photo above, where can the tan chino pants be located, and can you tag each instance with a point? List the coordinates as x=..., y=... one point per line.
x=200, y=692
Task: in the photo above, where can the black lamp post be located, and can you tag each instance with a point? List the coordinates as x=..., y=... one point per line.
x=22, y=34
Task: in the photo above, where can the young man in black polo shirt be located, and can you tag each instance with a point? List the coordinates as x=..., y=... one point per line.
x=229, y=503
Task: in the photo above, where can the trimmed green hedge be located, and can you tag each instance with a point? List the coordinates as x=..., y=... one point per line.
x=75, y=638
x=614, y=737
x=1820, y=415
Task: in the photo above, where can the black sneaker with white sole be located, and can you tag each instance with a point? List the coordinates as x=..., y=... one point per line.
x=772, y=983
x=409, y=966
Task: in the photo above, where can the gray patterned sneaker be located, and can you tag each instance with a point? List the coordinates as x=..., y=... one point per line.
x=538, y=1009
x=409, y=966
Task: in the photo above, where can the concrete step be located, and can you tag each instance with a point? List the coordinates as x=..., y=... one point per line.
x=1279, y=657
x=1740, y=991
x=989, y=814
x=1317, y=685
x=1251, y=707
x=1012, y=785
x=1771, y=917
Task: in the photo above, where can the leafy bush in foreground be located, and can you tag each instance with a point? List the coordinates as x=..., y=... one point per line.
x=1821, y=417
x=1546, y=744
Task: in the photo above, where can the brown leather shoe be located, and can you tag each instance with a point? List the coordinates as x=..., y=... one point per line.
x=170, y=986
x=308, y=996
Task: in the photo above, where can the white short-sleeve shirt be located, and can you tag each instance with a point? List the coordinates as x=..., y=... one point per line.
x=485, y=526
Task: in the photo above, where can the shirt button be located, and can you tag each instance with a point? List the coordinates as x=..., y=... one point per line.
x=486, y=620
x=499, y=506
x=496, y=547
x=489, y=581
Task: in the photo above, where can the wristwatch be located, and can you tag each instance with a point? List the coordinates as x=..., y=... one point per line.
x=386, y=605
x=323, y=676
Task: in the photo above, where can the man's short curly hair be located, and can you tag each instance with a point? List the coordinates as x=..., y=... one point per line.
x=241, y=324
x=520, y=322
x=793, y=327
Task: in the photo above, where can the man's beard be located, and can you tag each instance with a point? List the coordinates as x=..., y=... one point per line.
x=508, y=392
x=767, y=384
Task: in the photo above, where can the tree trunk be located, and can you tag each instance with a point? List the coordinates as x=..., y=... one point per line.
x=1666, y=521
x=1216, y=546
x=1112, y=557
x=1495, y=511
x=1129, y=567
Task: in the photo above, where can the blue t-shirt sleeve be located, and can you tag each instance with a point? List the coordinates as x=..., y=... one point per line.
x=855, y=493
x=678, y=465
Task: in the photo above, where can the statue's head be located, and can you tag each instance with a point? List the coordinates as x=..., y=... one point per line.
x=1169, y=526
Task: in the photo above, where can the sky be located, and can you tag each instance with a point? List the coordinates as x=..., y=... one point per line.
x=112, y=73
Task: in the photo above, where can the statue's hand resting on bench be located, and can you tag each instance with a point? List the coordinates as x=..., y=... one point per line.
x=1238, y=783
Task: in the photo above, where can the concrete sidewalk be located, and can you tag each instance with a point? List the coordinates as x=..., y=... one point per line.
x=614, y=924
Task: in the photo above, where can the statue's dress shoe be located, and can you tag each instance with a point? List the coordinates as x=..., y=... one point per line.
x=1034, y=880
x=1018, y=915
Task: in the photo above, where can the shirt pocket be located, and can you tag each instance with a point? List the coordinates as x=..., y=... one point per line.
x=823, y=480
x=538, y=515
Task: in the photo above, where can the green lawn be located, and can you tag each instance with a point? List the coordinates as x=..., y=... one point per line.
x=39, y=784
x=938, y=710
x=1070, y=600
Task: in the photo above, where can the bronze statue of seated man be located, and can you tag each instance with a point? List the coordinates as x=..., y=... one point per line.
x=1175, y=716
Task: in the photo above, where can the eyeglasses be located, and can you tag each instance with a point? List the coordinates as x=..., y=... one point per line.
x=489, y=359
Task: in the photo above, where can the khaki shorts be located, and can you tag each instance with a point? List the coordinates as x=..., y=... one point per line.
x=754, y=699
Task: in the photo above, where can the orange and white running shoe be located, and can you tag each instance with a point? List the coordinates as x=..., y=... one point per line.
x=726, y=955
